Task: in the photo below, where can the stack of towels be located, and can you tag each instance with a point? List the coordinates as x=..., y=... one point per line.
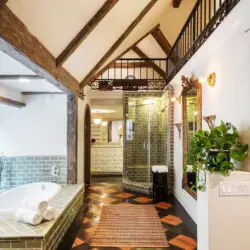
x=160, y=169
x=34, y=211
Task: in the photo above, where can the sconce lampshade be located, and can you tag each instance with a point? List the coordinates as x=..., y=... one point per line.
x=97, y=121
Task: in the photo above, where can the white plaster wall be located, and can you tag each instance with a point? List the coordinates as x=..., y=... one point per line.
x=227, y=53
x=10, y=93
x=223, y=221
x=81, y=118
x=174, y=19
x=55, y=23
x=40, y=128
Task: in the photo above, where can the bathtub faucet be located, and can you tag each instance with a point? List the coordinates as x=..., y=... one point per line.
x=43, y=187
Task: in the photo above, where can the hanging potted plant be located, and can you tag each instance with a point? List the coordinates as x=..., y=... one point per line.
x=216, y=151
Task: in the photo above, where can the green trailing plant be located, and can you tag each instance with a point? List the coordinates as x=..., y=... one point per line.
x=215, y=151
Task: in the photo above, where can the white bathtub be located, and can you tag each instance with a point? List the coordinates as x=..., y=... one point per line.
x=11, y=200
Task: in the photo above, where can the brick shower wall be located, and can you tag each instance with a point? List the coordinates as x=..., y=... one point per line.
x=19, y=170
x=162, y=136
x=170, y=141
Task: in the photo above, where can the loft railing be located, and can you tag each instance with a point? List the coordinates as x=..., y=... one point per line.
x=140, y=73
x=156, y=73
x=202, y=21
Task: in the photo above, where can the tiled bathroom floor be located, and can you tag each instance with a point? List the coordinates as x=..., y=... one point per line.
x=180, y=229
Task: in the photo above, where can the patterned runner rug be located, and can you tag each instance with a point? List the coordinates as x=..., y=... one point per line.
x=129, y=226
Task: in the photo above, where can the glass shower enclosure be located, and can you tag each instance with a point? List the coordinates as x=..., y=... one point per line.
x=144, y=131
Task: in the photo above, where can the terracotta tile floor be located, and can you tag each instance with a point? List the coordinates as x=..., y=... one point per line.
x=179, y=228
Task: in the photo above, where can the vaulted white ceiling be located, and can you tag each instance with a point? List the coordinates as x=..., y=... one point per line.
x=56, y=22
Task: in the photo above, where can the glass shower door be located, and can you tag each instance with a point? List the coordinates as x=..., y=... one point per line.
x=141, y=138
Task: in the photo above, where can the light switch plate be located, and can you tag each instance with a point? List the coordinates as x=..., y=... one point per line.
x=235, y=189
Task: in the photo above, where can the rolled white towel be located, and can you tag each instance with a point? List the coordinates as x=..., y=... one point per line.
x=34, y=204
x=189, y=168
x=49, y=214
x=28, y=216
x=160, y=169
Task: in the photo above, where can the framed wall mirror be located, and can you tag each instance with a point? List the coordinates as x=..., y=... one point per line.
x=191, y=122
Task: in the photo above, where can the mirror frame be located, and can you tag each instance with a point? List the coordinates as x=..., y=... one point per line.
x=184, y=132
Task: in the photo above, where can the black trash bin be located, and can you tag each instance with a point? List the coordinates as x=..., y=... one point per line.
x=160, y=186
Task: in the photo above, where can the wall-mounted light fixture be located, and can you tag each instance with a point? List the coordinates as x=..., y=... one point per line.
x=176, y=99
x=97, y=119
x=210, y=119
x=210, y=80
x=178, y=126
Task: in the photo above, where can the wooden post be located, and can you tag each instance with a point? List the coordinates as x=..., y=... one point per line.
x=72, y=109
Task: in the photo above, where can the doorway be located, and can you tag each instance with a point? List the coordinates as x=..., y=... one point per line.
x=87, y=146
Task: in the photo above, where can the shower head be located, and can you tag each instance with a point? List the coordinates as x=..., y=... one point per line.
x=164, y=108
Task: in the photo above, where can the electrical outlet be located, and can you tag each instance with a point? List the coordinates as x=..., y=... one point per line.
x=235, y=189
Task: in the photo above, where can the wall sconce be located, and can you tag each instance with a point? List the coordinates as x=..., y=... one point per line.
x=210, y=80
x=97, y=119
x=178, y=126
x=210, y=120
x=176, y=99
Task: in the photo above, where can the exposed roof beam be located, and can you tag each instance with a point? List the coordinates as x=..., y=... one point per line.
x=176, y=3
x=100, y=72
x=164, y=44
x=151, y=63
x=17, y=41
x=130, y=65
x=19, y=77
x=2, y=3
x=42, y=93
x=10, y=102
x=85, y=31
x=91, y=75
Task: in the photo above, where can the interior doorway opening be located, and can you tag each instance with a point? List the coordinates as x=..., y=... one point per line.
x=107, y=138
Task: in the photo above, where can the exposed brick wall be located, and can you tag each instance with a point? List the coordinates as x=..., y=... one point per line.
x=19, y=170
x=170, y=141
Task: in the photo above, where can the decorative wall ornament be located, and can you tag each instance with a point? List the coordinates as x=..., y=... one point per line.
x=210, y=119
x=187, y=84
x=178, y=126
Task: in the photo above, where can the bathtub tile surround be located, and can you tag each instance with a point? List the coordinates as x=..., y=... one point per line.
x=19, y=170
x=15, y=235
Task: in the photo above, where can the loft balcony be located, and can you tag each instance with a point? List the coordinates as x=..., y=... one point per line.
x=137, y=74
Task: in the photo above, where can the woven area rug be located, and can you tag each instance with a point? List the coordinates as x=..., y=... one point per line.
x=129, y=226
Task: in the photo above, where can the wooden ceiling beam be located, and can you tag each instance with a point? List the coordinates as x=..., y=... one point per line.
x=2, y=3
x=176, y=3
x=91, y=75
x=20, y=77
x=10, y=102
x=129, y=65
x=85, y=31
x=164, y=44
x=42, y=93
x=100, y=72
x=151, y=63
x=17, y=41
